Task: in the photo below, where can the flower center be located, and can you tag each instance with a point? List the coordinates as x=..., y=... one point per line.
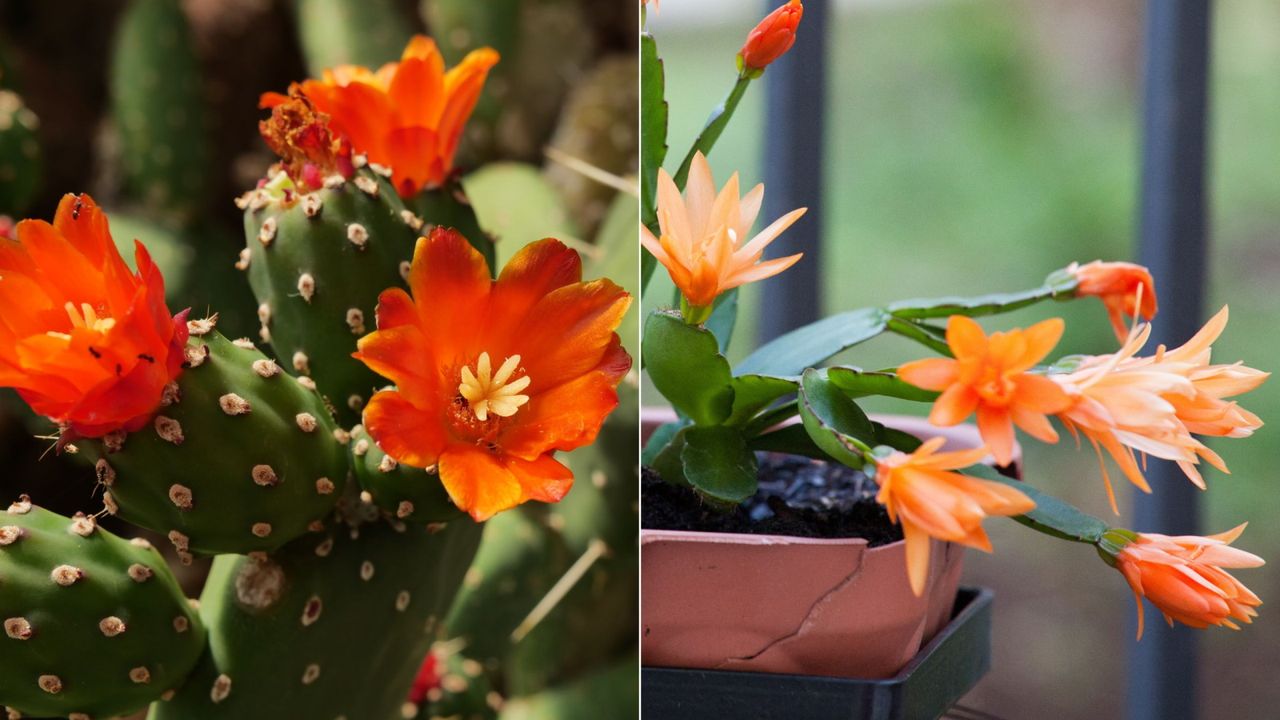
x=488, y=392
x=85, y=317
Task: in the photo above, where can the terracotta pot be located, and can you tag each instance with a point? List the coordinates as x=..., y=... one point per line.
x=779, y=604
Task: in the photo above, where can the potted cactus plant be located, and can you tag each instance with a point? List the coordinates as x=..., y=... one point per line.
x=786, y=531
x=340, y=467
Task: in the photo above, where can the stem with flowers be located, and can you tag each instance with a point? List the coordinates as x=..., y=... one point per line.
x=1126, y=404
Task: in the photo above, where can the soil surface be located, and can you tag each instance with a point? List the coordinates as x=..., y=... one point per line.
x=798, y=497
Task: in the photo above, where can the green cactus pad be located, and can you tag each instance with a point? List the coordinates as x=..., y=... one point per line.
x=350, y=32
x=316, y=265
x=95, y=625
x=157, y=96
x=331, y=626
x=241, y=457
x=462, y=688
x=19, y=155
x=611, y=692
x=411, y=494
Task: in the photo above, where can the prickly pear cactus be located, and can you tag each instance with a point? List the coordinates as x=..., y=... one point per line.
x=94, y=625
x=241, y=456
x=316, y=263
x=157, y=96
x=334, y=625
x=19, y=154
x=410, y=494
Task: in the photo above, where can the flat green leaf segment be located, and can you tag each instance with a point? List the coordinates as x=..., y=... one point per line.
x=718, y=464
x=810, y=345
x=653, y=141
x=1051, y=516
x=833, y=420
x=716, y=124
x=685, y=364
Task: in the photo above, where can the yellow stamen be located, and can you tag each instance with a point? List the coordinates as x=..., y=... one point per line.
x=87, y=317
x=488, y=392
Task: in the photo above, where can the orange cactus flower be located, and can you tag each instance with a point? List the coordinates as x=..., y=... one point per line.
x=918, y=491
x=702, y=234
x=85, y=341
x=770, y=39
x=407, y=116
x=1155, y=405
x=1125, y=289
x=1183, y=577
x=989, y=376
x=493, y=377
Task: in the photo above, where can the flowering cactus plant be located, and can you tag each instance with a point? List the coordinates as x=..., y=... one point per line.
x=785, y=396
x=403, y=388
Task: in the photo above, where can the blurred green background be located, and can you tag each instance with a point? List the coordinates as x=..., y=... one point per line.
x=975, y=146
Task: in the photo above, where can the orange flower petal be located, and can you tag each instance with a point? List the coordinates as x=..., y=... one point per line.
x=408, y=434
x=478, y=482
x=965, y=337
x=931, y=374
x=996, y=427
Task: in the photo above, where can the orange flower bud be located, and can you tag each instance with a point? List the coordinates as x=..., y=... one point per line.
x=1124, y=288
x=1183, y=577
x=770, y=39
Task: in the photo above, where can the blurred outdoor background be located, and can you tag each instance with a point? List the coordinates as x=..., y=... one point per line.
x=975, y=146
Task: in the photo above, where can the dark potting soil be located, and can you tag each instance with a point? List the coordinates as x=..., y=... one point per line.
x=798, y=497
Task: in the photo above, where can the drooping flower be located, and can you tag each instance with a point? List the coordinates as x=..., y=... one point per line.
x=771, y=38
x=918, y=491
x=492, y=435
x=1126, y=290
x=1126, y=404
x=1183, y=577
x=703, y=241
x=989, y=376
x=85, y=341
x=302, y=137
x=407, y=116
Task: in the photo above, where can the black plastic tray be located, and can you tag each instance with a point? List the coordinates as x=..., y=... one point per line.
x=943, y=671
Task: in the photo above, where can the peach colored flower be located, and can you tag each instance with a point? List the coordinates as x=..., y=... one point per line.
x=1155, y=405
x=1183, y=577
x=493, y=434
x=771, y=38
x=989, y=376
x=703, y=241
x=85, y=341
x=407, y=116
x=918, y=491
x=1125, y=289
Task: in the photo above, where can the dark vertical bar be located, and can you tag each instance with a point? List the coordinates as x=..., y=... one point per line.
x=793, y=159
x=1162, y=667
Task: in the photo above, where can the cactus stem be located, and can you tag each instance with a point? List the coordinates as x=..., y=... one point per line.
x=266, y=368
x=357, y=235
x=180, y=495
x=169, y=429
x=18, y=628
x=66, y=575
x=233, y=404
x=306, y=286
x=112, y=626
x=302, y=364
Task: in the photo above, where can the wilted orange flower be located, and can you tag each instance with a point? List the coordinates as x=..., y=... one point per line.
x=303, y=139
x=1125, y=289
x=989, y=375
x=702, y=235
x=1154, y=405
x=1183, y=577
x=407, y=116
x=918, y=491
x=491, y=434
x=85, y=341
x=772, y=37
